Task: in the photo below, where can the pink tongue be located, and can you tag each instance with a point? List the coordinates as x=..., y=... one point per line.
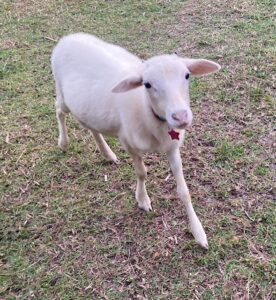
x=174, y=134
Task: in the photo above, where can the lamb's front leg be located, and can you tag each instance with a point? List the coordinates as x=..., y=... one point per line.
x=141, y=194
x=183, y=192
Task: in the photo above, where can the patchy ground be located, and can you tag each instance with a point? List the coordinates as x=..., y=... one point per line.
x=66, y=233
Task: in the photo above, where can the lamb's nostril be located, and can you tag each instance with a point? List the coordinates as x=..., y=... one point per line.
x=175, y=116
x=184, y=125
x=180, y=116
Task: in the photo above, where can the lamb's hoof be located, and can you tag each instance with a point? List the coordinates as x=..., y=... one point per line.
x=63, y=145
x=203, y=244
x=115, y=160
x=199, y=234
x=112, y=158
x=146, y=206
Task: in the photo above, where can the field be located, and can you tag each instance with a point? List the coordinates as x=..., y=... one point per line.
x=69, y=225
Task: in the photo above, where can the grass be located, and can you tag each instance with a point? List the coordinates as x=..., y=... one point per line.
x=66, y=233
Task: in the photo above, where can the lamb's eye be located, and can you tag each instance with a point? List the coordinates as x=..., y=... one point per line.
x=187, y=76
x=147, y=85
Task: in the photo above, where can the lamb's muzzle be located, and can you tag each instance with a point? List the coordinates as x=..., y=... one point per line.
x=181, y=117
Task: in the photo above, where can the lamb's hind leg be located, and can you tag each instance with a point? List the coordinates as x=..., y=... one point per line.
x=61, y=111
x=104, y=148
x=63, y=137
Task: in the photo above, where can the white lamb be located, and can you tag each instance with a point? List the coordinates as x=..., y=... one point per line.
x=145, y=104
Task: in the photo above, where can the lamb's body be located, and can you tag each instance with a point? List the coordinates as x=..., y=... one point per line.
x=86, y=69
x=102, y=86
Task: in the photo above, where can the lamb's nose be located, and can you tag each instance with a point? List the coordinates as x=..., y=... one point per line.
x=180, y=116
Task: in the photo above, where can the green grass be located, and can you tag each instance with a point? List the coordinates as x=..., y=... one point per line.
x=66, y=233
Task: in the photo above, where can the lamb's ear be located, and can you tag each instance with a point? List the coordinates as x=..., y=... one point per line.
x=129, y=83
x=199, y=67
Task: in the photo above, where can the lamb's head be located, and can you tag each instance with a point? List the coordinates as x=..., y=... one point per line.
x=166, y=82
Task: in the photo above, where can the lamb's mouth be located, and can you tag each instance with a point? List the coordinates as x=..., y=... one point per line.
x=184, y=126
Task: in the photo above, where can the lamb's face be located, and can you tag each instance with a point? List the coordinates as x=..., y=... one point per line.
x=166, y=80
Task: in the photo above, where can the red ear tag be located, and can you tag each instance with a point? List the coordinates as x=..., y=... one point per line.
x=174, y=134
